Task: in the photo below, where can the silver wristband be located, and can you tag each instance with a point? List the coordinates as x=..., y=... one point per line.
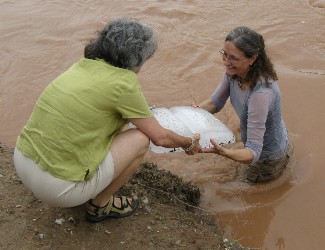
x=191, y=146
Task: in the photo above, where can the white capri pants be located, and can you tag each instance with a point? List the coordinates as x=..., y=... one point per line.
x=61, y=193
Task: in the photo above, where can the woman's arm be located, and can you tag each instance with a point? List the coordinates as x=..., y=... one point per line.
x=257, y=114
x=218, y=98
x=242, y=155
x=161, y=136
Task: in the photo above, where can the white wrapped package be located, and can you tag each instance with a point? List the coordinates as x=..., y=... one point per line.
x=186, y=120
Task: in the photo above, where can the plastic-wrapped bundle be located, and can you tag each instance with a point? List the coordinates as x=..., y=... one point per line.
x=186, y=120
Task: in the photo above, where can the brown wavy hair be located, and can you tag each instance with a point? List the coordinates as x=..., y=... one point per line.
x=251, y=43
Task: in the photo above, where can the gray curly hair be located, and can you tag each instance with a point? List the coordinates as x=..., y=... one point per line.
x=124, y=43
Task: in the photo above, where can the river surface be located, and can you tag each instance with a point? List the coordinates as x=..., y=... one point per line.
x=41, y=38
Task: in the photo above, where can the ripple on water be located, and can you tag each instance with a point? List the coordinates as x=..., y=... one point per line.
x=318, y=6
x=317, y=3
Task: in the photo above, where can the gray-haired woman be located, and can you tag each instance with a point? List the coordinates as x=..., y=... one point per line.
x=250, y=82
x=74, y=147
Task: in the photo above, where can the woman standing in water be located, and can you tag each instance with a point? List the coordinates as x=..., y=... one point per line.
x=74, y=147
x=251, y=83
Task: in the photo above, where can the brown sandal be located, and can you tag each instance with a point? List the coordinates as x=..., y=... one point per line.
x=110, y=210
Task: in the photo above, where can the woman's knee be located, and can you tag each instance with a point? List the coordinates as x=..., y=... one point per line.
x=142, y=140
x=138, y=137
x=145, y=142
x=131, y=140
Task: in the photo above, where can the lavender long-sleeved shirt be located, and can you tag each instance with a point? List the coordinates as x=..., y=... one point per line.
x=262, y=128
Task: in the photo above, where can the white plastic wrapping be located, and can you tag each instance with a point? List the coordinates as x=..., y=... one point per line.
x=186, y=120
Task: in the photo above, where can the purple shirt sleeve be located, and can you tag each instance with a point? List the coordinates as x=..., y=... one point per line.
x=221, y=94
x=258, y=108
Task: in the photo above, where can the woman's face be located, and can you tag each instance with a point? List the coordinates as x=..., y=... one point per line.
x=235, y=61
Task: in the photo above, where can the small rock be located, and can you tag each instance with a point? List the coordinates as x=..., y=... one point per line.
x=59, y=221
x=41, y=236
x=145, y=201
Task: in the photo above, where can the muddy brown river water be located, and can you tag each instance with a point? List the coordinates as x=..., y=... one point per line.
x=40, y=39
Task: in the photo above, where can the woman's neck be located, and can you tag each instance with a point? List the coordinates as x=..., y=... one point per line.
x=243, y=83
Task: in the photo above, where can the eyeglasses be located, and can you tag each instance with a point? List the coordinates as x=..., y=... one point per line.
x=231, y=59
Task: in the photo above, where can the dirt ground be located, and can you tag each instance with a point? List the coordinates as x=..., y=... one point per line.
x=166, y=219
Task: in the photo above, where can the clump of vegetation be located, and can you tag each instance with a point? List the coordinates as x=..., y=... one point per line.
x=150, y=180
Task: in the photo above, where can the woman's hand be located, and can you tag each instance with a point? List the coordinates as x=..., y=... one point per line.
x=216, y=149
x=195, y=106
x=195, y=146
x=208, y=105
